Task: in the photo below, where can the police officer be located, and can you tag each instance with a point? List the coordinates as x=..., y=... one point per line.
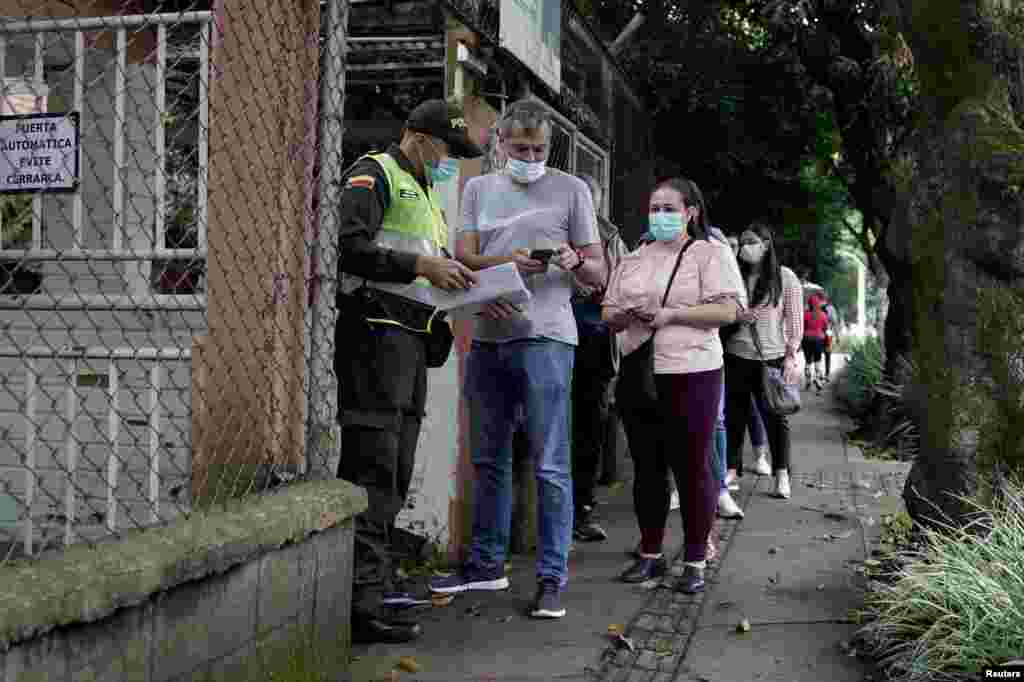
x=392, y=252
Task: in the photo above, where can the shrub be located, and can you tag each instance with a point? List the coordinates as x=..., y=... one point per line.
x=860, y=376
x=957, y=604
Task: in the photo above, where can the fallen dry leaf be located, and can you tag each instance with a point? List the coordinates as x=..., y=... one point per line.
x=743, y=626
x=441, y=599
x=409, y=664
x=615, y=630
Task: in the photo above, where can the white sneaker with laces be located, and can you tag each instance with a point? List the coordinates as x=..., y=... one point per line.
x=761, y=465
x=782, y=484
x=727, y=507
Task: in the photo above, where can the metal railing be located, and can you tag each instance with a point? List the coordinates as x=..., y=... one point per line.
x=75, y=360
x=96, y=354
x=39, y=29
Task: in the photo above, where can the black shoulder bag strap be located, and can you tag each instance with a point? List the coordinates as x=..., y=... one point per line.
x=672, y=277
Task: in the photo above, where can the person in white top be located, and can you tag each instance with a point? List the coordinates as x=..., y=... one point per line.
x=771, y=334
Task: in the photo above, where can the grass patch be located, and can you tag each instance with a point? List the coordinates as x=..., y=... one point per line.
x=949, y=602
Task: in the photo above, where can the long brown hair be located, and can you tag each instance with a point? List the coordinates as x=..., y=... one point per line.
x=769, y=284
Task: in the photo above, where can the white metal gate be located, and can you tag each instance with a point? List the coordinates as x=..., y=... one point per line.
x=95, y=348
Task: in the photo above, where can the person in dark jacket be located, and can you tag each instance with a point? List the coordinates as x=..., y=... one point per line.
x=595, y=367
x=392, y=251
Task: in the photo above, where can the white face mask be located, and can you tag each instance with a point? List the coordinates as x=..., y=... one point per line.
x=526, y=172
x=752, y=253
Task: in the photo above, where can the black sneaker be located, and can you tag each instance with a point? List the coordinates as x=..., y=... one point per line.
x=586, y=528
x=548, y=602
x=471, y=578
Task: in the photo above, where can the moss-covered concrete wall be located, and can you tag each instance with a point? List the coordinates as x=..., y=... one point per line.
x=208, y=597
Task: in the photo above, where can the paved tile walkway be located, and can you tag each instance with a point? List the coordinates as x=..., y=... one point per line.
x=787, y=568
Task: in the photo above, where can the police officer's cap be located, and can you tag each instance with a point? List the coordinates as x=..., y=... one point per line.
x=445, y=121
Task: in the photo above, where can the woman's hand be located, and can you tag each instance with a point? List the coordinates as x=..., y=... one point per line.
x=747, y=315
x=664, y=317
x=641, y=314
x=790, y=372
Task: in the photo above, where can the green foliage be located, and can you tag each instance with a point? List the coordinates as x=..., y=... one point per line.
x=1001, y=427
x=897, y=531
x=954, y=606
x=861, y=376
x=16, y=213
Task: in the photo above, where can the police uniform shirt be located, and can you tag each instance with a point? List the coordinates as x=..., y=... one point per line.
x=365, y=196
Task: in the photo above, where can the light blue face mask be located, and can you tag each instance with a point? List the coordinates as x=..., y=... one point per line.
x=526, y=171
x=665, y=226
x=444, y=170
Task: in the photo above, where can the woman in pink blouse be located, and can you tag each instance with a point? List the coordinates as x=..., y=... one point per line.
x=676, y=433
x=776, y=314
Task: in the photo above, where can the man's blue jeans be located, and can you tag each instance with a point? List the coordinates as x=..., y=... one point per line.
x=503, y=380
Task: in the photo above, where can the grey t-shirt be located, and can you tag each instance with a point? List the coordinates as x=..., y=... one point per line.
x=556, y=209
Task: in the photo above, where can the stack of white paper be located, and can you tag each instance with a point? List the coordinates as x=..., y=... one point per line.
x=499, y=282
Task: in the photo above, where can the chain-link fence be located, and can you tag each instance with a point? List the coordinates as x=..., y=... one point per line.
x=162, y=333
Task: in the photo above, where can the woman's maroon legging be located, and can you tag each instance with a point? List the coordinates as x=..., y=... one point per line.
x=677, y=438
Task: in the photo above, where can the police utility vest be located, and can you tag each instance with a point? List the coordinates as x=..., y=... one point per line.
x=413, y=223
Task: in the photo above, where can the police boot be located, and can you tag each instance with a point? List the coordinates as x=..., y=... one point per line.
x=374, y=628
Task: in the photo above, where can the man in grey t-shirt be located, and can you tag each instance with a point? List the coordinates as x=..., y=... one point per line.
x=522, y=356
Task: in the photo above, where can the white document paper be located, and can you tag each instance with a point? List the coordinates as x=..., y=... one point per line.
x=497, y=282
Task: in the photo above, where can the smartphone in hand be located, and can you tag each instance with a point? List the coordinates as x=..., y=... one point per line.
x=542, y=255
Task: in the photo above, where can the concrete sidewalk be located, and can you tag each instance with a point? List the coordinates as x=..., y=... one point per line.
x=787, y=569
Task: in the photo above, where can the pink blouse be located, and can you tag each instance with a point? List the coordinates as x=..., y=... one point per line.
x=706, y=275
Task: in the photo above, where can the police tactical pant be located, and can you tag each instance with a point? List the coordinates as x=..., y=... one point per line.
x=382, y=389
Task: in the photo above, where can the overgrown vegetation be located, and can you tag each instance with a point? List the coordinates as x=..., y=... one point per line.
x=953, y=603
x=997, y=408
x=861, y=375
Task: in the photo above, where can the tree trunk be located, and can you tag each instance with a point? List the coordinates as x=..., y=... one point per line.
x=963, y=232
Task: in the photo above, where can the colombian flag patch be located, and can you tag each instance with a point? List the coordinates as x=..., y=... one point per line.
x=364, y=181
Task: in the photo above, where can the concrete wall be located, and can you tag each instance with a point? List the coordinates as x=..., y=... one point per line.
x=231, y=595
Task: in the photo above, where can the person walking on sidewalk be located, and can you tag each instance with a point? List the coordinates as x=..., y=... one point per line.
x=727, y=507
x=522, y=358
x=815, y=333
x=770, y=335
x=831, y=336
x=675, y=291
x=758, y=436
x=594, y=369
x=392, y=248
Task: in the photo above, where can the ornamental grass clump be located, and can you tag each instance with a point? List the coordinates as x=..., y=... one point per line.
x=957, y=604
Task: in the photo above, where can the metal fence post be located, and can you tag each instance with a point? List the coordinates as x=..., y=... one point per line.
x=323, y=435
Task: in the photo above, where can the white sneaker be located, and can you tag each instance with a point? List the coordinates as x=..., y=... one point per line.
x=727, y=507
x=673, y=502
x=782, y=484
x=761, y=465
x=732, y=482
